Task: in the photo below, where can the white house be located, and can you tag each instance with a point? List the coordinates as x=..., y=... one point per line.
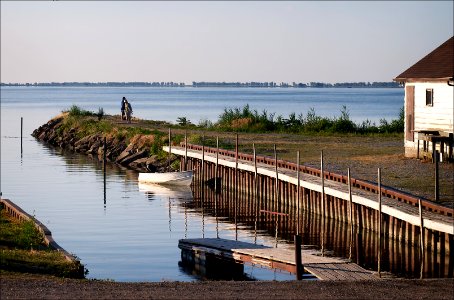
x=429, y=103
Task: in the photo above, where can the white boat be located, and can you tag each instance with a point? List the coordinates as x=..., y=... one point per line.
x=175, y=178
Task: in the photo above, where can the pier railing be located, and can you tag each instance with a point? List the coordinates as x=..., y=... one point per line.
x=361, y=184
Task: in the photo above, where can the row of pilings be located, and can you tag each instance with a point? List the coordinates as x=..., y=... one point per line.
x=278, y=208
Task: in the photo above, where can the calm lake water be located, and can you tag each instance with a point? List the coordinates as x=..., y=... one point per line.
x=131, y=232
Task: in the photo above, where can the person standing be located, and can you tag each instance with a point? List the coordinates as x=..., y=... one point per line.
x=128, y=111
x=123, y=106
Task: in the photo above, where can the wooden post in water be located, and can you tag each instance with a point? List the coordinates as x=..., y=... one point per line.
x=437, y=186
x=21, y=133
x=298, y=263
x=379, y=222
x=298, y=187
x=421, y=239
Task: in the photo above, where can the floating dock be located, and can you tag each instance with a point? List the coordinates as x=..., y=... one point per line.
x=322, y=267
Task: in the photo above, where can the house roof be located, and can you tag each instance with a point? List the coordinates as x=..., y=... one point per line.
x=437, y=65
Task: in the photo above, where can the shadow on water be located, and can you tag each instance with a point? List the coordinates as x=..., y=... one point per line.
x=212, y=267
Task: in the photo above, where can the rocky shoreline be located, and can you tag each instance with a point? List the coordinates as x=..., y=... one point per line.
x=134, y=154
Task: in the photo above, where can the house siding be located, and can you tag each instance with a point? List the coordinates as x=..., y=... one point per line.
x=440, y=116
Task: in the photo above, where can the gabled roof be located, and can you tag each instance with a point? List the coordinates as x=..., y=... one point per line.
x=437, y=65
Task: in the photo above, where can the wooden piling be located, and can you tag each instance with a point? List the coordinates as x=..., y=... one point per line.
x=421, y=239
x=170, y=146
x=276, y=192
x=257, y=203
x=379, y=222
x=185, y=150
x=276, y=186
x=104, y=168
x=350, y=209
x=437, y=183
x=298, y=193
x=236, y=187
x=298, y=263
x=216, y=192
x=323, y=184
x=21, y=134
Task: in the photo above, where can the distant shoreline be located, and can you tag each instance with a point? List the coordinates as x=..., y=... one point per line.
x=211, y=84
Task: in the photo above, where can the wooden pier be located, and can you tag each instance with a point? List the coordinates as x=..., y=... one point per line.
x=324, y=268
x=278, y=190
x=365, y=196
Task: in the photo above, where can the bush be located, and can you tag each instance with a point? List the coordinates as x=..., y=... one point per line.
x=246, y=120
x=183, y=121
x=76, y=111
x=100, y=113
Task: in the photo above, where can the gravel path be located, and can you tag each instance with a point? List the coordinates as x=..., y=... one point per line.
x=23, y=286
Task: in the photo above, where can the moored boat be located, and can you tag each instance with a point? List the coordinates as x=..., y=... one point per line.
x=174, y=178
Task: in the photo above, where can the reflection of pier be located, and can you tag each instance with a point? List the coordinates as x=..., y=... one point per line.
x=324, y=268
x=276, y=194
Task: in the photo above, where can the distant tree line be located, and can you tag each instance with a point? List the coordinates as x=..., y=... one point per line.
x=272, y=84
x=253, y=84
x=107, y=84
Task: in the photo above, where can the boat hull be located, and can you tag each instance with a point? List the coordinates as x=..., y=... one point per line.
x=173, y=178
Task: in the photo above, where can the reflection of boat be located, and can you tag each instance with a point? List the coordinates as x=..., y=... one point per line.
x=176, y=192
x=175, y=178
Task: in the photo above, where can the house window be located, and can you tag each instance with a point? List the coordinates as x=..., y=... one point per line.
x=429, y=97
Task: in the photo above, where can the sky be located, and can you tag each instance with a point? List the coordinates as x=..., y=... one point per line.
x=232, y=41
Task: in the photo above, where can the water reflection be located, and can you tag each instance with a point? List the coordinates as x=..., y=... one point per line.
x=332, y=237
x=156, y=191
x=152, y=228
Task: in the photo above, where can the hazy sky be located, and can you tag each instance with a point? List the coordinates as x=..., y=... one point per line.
x=218, y=41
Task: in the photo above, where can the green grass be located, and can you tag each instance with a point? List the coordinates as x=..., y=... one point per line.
x=247, y=120
x=22, y=249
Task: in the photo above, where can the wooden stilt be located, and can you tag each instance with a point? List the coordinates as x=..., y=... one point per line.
x=298, y=187
x=379, y=222
x=421, y=239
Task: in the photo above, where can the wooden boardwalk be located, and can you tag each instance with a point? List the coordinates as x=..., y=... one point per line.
x=324, y=268
x=397, y=209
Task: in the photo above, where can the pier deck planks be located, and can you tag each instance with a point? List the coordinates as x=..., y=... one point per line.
x=324, y=268
x=391, y=207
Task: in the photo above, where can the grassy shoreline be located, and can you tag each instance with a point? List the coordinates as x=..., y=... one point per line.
x=22, y=249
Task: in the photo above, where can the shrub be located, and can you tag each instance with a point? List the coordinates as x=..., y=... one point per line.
x=183, y=121
x=76, y=111
x=100, y=113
